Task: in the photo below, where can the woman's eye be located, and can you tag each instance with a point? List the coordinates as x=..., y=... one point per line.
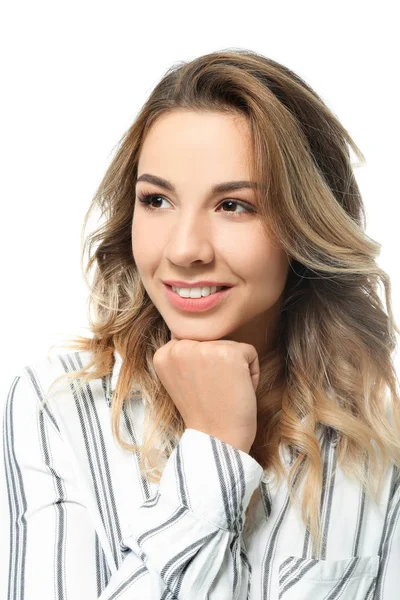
x=148, y=199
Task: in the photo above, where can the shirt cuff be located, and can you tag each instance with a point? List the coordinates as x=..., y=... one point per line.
x=211, y=478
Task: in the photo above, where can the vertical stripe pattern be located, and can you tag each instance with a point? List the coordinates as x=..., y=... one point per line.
x=84, y=522
x=16, y=502
x=97, y=456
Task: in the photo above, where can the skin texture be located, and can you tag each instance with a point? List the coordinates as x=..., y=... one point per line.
x=192, y=235
x=212, y=384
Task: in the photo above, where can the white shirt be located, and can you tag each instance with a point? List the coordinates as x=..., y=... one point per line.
x=85, y=524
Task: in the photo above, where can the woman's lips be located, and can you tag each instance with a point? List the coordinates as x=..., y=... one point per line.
x=195, y=304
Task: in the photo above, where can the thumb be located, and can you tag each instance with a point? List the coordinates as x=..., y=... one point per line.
x=253, y=363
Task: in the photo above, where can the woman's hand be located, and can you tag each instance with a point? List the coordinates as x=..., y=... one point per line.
x=213, y=386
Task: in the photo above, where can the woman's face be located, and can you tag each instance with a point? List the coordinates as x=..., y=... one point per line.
x=195, y=234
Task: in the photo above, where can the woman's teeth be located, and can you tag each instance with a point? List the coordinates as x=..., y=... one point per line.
x=196, y=292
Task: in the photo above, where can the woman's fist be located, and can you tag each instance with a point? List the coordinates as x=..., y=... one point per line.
x=213, y=386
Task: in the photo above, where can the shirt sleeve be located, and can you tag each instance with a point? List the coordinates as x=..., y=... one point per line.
x=183, y=542
x=388, y=578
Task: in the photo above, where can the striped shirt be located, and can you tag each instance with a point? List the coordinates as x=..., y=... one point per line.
x=85, y=524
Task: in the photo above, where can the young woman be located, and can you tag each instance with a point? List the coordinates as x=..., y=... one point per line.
x=231, y=429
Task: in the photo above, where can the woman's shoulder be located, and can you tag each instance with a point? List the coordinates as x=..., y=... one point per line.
x=47, y=383
x=45, y=369
x=42, y=370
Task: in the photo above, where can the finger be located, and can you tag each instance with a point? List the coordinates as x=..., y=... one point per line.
x=251, y=355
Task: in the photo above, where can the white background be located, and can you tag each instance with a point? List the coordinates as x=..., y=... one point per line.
x=75, y=74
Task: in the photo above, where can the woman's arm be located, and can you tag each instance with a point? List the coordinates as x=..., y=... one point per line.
x=185, y=541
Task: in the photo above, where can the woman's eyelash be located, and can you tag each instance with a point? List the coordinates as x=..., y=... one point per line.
x=146, y=200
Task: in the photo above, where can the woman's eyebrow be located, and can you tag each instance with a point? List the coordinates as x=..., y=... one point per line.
x=228, y=186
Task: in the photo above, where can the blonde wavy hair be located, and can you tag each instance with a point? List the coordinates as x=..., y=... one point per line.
x=332, y=368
